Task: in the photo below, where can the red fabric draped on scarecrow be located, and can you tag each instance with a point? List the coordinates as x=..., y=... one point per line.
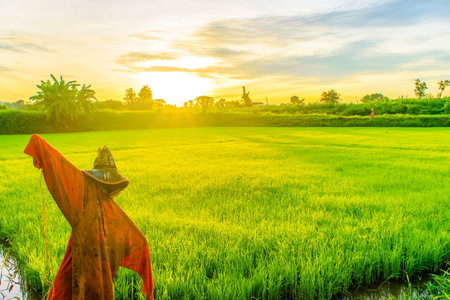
x=103, y=236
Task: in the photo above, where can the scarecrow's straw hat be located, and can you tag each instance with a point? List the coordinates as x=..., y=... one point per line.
x=105, y=173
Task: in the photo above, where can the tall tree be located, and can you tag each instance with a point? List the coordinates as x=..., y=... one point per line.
x=85, y=96
x=442, y=84
x=297, y=101
x=221, y=104
x=58, y=99
x=372, y=97
x=330, y=97
x=420, y=88
x=246, y=98
x=130, y=96
x=145, y=94
x=159, y=103
x=205, y=102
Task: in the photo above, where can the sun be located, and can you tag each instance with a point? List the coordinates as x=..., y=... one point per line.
x=175, y=87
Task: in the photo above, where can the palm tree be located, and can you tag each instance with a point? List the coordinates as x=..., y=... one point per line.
x=420, y=88
x=442, y=84
x=245, y=96
x=58, y=100
x=84, y=99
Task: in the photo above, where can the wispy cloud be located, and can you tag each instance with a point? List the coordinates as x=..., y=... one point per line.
x=135, y=57
x=5, y=69
x=206, y=72
x=151, y=35
x=4, y=46
x=328, y=45
x=22, y=45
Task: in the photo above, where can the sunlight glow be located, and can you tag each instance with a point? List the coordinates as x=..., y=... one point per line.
x=175, y=87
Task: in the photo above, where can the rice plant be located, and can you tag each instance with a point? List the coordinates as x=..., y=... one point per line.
x=252, y=213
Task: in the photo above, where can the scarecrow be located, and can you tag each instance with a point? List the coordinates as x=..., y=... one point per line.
x=103, y=237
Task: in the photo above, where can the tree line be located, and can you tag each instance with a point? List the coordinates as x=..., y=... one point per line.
x=63, y=101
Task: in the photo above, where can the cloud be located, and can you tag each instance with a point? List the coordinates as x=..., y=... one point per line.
x=278, y=31
x=5, y=69
x=329, y=45
x=340, y=66
x=16, y=45
x=206, y=72
x=208, y=50
x=135, y=57
x=146, y=36
x=7, y=47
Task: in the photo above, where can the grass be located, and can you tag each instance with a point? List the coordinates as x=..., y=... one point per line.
x=435, y=288
x=440, y=286
x=242, y=213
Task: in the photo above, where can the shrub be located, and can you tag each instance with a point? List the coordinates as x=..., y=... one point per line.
x=21, y=122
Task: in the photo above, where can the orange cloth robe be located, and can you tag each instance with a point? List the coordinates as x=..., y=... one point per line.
x=103, y=237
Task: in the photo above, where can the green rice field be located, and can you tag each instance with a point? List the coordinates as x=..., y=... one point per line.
x=252, y=213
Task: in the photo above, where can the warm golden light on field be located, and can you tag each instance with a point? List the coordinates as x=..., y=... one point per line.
x=175, y=87
x=262, y=149
x=319, y=206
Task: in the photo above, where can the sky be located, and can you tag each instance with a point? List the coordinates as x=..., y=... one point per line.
x=184, y=49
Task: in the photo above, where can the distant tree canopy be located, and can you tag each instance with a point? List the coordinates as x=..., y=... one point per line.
x=246, y=98
x=420, y=88
x=297, y=101
x=130, y=96
x=111, y=104
x=220, y=104
x=233, y=103
x=442, y=84
x=145, y=94
x=205, y=102
x=63, y=101
x=142, y=101
x=372, y=97
x=330, y=97
x=159, y=103
x=19, y=104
